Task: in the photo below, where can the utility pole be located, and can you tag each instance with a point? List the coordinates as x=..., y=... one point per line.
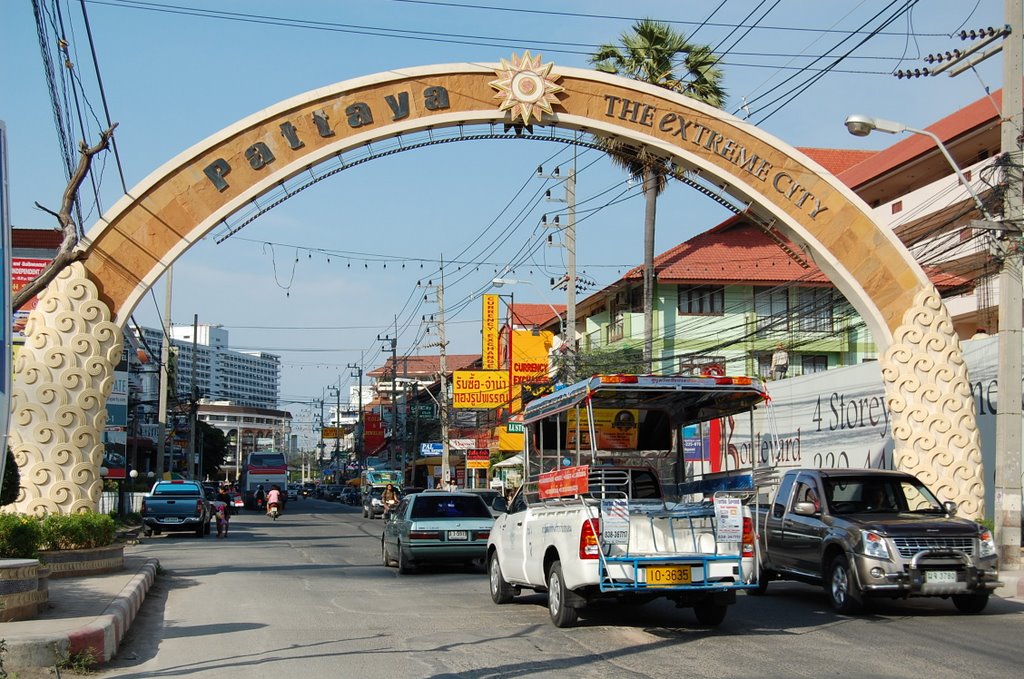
x=337, y=432
x=570, y=285
x=446, y=472
x=359, y=422
x=320, y=446
x=442, y=401
x=394, y=388
x=569, y=332
x=415, y=432
x=193, y=402
x=165, y=362
x=1008, y=409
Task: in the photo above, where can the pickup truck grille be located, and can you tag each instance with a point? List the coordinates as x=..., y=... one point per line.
x=908, y=547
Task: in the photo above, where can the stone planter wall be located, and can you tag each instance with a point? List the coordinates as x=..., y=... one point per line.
x=23, y=589
x=75, y=562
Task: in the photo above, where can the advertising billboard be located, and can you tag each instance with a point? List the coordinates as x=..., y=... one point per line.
x=480, y=389
x=489, y=350
x=615, y=428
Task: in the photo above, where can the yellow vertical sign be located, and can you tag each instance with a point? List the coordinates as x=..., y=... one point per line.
x=489, y=352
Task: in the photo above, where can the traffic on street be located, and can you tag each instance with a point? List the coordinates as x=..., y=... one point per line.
x=308, y=595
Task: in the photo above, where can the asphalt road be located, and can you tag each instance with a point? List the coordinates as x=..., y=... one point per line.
x=307, y=596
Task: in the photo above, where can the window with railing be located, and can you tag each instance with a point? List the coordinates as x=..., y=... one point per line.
x=813, y=363
x=814, y=310
x=771, y=308
x=617, y=328
x=701, y=300
x=619, y=307
x=697, y=364
x=636, y=300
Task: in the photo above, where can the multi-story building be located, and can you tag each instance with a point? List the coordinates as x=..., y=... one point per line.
x=727, y=298
x=730, y=295
x=236, y=392
x=247, y=429
x=243, y=378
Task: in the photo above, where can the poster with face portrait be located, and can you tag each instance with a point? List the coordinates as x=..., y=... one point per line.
x=615, y=428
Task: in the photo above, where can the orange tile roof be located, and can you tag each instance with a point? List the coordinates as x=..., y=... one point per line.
x=837, y=161
x=739, y=252
x=529, y=315
x=424, y=366
x=735, y=251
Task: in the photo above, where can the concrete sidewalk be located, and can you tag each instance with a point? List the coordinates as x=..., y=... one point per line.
x=89, y=614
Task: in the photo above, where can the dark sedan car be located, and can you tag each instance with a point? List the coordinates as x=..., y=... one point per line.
x=489, y=496
x=436, y=527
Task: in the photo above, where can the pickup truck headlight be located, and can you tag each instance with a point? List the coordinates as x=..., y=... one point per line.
x=874, y=545
x=986, y=545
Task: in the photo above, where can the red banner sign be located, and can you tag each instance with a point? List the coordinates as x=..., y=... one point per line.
x=478, y=458
x=563, y=482
x=373, y=432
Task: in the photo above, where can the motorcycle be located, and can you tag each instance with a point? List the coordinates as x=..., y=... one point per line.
x=274, y=510
x=389, y=505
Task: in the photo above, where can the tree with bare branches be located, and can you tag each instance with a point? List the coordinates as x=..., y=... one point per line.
x=66, y=254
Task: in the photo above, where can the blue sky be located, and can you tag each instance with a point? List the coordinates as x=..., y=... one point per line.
x=174, y=75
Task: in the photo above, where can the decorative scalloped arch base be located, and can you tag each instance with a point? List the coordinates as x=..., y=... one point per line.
x=933, y=425
x=62, y=377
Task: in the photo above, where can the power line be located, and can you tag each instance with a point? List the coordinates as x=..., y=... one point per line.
x=550, y=46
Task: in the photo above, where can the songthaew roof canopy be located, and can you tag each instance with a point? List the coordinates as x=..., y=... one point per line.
x=685, y=399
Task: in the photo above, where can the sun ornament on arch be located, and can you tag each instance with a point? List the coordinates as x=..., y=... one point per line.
x=526, y=87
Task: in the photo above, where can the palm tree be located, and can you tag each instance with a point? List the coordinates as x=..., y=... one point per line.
x=650, y=52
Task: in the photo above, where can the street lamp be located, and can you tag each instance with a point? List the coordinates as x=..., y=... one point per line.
x=862, y=126
x=1008, y=407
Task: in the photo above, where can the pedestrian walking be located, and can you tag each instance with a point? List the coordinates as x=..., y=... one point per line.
x=780, y=362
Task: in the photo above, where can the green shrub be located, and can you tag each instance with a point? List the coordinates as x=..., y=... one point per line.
x=20, y=536
x=77, y=531
x=10, y=486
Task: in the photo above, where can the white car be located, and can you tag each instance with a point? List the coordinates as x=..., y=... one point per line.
x=293, y=493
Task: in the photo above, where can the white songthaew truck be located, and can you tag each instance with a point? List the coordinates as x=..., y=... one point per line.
x=601, y=515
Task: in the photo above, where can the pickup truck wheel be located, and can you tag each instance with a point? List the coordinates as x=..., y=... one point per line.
x=763, y=576
x=558, y=595
x=709, y=613
x=501, y=591
x=970, y=604
x=840, y=586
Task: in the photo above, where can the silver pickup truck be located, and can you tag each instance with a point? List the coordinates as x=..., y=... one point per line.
x=176, y=506
x=872, y=533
